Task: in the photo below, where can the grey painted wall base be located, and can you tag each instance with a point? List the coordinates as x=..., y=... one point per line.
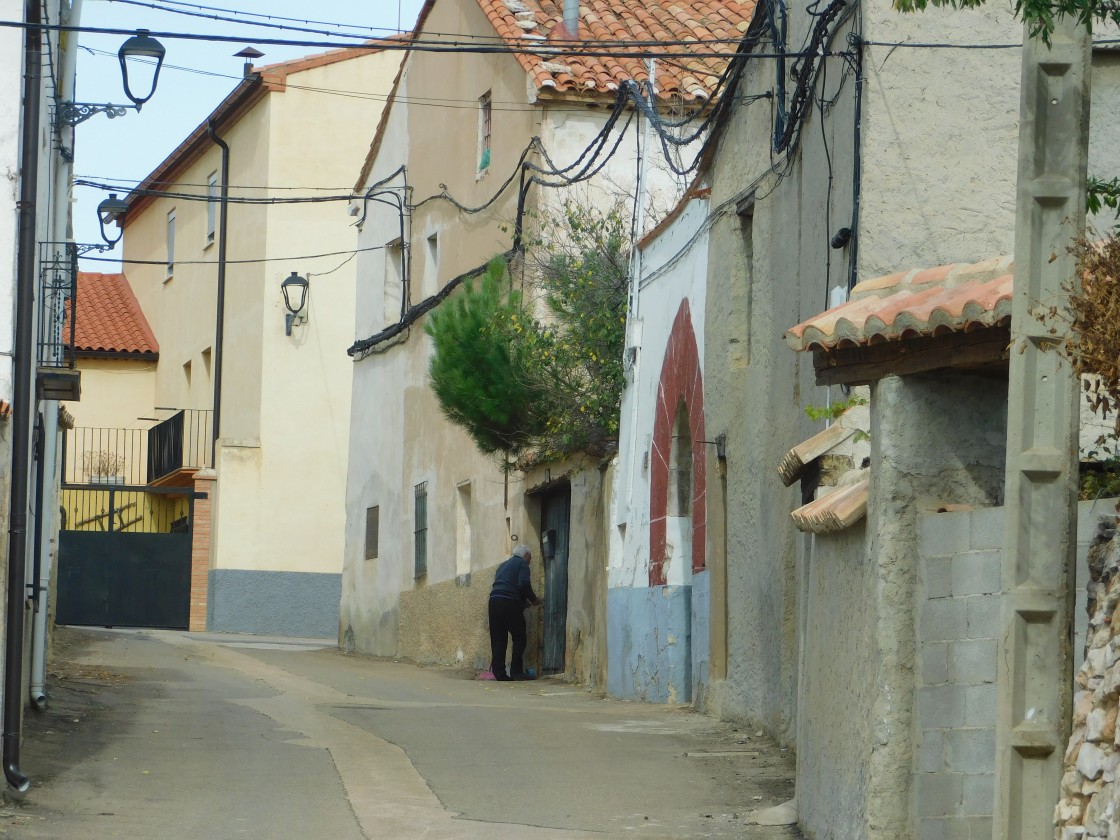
x=301, y=604
x=649, y=641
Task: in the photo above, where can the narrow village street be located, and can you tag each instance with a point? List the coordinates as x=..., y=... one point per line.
x=176, y=735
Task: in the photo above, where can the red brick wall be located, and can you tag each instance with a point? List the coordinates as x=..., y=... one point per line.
x=200, y=551
x=680, y=379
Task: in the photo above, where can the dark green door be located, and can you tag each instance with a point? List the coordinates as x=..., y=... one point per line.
x=555, y=511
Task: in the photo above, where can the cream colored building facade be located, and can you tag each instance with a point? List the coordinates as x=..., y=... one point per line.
x=281, y=454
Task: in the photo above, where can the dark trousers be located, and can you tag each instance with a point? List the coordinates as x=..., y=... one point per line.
x=507, y=617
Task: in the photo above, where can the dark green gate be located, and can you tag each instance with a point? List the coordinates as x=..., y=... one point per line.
x=555, y=509
x=124, y=556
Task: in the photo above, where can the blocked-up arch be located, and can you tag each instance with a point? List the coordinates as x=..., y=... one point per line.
x=681, y=379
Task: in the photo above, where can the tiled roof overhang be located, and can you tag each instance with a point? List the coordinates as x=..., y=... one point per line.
x=954, y=315
x=110, y=322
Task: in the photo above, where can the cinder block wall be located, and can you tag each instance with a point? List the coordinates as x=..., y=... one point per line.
x=958, y=635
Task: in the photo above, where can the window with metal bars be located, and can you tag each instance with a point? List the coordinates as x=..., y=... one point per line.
x=484, y=125
x=420, y=533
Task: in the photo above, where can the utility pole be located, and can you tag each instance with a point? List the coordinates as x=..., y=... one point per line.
x=1035, y=673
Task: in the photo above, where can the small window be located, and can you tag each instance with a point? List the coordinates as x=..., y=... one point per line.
x=187, y=375
x=431, y=265
x=171, y=243
x=206, y=358
x=420, y=534
x=211, y=207
x=484, y=132
x=372, y=525
x=394, y=281
x=463, y=513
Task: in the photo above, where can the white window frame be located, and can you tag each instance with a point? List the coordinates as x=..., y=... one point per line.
x=211, y=207
x=170, y=244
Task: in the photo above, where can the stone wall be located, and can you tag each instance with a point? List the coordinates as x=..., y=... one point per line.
x=1090, y=795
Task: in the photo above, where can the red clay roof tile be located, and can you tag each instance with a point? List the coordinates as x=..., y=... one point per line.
x=907, y=304
x=109, y=317
x=716, y=26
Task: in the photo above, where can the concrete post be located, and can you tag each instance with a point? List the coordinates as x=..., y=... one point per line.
x=1035, y=673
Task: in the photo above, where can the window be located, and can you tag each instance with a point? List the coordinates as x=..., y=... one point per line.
x=463, y=530
x=211, y=207
x=171, y=243
x=431, y=265
x=394, y=281
x=372, y=526
x=420, y=534
x=187, y=375
x=484, y=128
x=206, y=357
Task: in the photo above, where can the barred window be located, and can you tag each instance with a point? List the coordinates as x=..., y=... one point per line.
x=420, y=534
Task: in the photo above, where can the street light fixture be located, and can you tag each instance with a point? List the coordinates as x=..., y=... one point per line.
x=112, y=210
x=294, y=289
x=139, y=46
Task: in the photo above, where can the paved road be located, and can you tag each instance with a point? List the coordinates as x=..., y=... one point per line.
x=156, y=734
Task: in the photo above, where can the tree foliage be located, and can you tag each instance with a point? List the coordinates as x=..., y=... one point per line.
x=540, y=378
x=478, y=369
x=1040, y=16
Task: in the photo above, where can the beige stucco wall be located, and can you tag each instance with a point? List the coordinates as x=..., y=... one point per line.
x=285, y=399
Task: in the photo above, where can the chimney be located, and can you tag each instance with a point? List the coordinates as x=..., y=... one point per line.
x=571, y=17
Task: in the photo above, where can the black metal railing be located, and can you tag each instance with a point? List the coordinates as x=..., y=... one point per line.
x=58, y=286
x=92, y=455
x=182, y=441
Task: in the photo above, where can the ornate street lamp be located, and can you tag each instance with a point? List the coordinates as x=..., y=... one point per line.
x=140, y=46
x=111, y=210
x=294, y=289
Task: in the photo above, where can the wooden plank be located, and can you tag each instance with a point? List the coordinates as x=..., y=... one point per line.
x=861, y=365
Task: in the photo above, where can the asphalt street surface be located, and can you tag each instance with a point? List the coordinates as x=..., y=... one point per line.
x=159, y=734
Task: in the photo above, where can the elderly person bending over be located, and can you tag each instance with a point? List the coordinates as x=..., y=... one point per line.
x=509, y=596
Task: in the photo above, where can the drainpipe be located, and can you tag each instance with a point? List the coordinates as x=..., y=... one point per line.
x=220, y=323
x=22, y=399
x=60, y=231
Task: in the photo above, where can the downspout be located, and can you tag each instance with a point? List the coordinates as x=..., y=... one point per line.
x=60, y=231
x=219, y=326
x=24, y=370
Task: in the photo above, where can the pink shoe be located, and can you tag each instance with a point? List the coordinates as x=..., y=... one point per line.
x=486, y=675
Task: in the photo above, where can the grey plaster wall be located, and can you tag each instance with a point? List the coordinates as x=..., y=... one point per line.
x=648, y=643
x=701, y=633
x=958, y=632
x=838, y=686
x=274, y=603
x=936, y=439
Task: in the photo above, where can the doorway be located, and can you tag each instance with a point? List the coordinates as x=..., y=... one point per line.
x=555, y=514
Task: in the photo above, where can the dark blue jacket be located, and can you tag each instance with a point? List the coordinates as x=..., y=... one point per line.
x=512, y=581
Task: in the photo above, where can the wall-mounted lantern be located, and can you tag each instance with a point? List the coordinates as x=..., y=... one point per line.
x=294, y=289
x=109, y=211
x=140, y=46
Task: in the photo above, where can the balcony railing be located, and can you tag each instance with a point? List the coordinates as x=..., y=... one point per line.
x=58, y=278
x=166, y=455
x=179, y=446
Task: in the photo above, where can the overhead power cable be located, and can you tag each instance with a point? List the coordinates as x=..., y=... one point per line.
x=255, y=260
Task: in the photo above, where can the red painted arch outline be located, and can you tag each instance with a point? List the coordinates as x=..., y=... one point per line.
x=681, y=378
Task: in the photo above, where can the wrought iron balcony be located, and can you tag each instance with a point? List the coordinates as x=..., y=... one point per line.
x=178, y=447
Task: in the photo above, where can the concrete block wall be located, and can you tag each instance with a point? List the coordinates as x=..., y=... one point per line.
x=958, y=614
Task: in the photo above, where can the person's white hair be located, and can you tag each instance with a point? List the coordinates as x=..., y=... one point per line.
x=523, y=551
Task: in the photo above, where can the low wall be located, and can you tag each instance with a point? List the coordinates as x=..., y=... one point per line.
x=650, y=655
x=303, y=604
x=955, y=678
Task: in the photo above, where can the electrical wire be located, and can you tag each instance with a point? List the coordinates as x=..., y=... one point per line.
x=253, y=261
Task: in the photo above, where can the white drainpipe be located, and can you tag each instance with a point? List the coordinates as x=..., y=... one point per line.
x=60, y=231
